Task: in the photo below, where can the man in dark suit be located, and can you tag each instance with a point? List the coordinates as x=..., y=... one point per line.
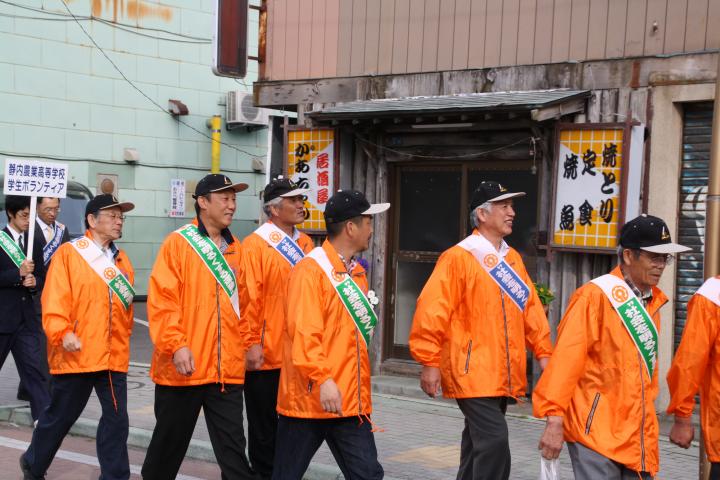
x=51, y=234
x=20, y=279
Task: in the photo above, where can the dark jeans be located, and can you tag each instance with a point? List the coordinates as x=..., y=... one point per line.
x=715, y=471
x=261, y=391
x=69, y=397
x=587, y=464
x=176, y=412
x=26, y=345
x=484, y=450
x=352, y=444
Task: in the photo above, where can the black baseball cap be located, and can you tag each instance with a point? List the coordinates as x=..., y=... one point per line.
x=217, y=182
x=282, y=187
x=105, y=201
x=650, y=234
x=490, y=191
x=347, y=204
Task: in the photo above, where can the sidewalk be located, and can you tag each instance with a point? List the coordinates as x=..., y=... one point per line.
x=421, y=437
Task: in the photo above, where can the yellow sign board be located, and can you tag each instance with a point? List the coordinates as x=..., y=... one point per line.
x=588, y=187
x=310, y=163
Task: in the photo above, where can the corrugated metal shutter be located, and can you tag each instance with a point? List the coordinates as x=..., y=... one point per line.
x=697, y=126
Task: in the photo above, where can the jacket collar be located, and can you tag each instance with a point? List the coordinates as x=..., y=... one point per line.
x=225, y=232
x=658, y=297
x=504, y=247
x=115, y=250
x=337, y=264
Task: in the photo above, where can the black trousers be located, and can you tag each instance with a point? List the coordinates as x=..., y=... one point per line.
x=484, y=450
x=261, y=391
x=23, y=393
x=352, y=444
x=28, y=349
x=715, y=471
x=176, y=413
x=69, y=397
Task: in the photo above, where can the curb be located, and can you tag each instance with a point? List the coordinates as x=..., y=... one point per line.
x=140, y=438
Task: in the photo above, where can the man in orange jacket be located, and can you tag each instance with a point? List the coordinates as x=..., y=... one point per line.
x=325, y=378
x=269, y=254
x=697, y=367
x=88, y=317
x=472, y=322
x=200, y=342
x=598, y=390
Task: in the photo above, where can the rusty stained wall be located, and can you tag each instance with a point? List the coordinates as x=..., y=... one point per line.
x=342, y=38
x=564, y=272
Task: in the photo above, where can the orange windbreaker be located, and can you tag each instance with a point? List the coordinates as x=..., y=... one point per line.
x=188, y=308
x=76, y=299
x=263, y=283
x=697, y=366
x=322, y=342
x=597, y=381
x=477, y=336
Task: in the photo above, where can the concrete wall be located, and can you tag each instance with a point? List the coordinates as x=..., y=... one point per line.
x=61, y=98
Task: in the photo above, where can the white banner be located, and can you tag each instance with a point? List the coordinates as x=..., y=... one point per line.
x=177, y=197
x=32, y=178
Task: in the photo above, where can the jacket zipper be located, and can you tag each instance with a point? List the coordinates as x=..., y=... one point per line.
x=262, y=334
x=507, y=342
x=467, y=359
x=592, y=413
x=642, y=423
x=357, y=348
x=219, y=328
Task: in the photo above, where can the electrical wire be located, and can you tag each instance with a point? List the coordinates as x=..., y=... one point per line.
x=106, y=162
x=102, y=20
x=179, y=120
x=440, y=157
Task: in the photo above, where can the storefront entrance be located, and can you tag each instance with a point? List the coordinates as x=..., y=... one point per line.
x=432, y=216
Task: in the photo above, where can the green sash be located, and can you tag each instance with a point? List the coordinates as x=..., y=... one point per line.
x=352, y=297
x=12, y=249
x=214, y=261
x=636, y=319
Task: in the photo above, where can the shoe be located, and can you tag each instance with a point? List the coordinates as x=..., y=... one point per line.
x=25, y=467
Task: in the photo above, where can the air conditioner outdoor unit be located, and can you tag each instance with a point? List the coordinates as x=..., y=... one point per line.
x=241, y=112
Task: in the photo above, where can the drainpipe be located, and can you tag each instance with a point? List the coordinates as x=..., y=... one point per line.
x=215, y=125
x=712, y=223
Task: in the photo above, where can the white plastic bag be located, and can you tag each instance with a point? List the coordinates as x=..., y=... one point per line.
x=549, y=469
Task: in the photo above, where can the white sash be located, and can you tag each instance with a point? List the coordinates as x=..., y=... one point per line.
x=634, y=316
x=351, y=295
x=499, y=270
x=281, y=242
x=106, y=270
x=711, y=290
x=54, y=243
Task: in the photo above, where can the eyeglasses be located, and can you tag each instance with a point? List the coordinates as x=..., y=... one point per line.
x=23, y=215
x=113, y=216
x=50, y=210
x=659, y=259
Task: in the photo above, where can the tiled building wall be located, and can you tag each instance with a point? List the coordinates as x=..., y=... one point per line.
x=61, y=98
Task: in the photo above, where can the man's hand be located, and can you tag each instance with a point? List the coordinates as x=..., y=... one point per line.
x=682, y=432
x=184, y=361
x=552, y=438
x=544, y=363
x=330, y=397
x=29, y=281
x=430, y=380
x=71, y=343
x=254, y=358
x=26, y=267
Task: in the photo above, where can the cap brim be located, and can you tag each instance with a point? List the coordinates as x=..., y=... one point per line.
x=236, y=187
x=123, y=206
x=376, y=208
x=667, y=248
x=505, y=196
x=295, y=193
